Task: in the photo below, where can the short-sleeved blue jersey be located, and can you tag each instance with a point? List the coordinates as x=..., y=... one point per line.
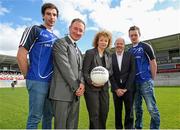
x=39, y=42
x=143, y=53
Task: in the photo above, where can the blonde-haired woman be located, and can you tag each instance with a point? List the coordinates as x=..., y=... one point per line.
x=97, y=96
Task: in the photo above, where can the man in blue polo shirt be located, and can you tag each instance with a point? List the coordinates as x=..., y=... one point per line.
x=146, y=68
x=37, y=41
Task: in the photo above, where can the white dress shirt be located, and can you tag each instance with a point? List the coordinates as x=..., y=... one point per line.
x=74, y=43
x=119, y=59
x=71, y=39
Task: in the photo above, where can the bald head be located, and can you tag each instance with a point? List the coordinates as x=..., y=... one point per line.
x=119, y=45
x=119, y=39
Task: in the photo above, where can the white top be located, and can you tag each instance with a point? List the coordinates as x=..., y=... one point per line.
x=119, y=59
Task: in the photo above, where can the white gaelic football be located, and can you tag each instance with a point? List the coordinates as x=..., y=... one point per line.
x=99, y=75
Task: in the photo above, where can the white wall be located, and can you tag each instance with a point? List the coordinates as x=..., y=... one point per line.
x=162, y=79
x=7, y=83
x=168, y=79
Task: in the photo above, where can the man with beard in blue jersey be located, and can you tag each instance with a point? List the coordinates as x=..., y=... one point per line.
x=37, y=42
x=146, y=68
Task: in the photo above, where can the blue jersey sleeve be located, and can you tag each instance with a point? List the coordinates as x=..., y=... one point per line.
x=29, y=37
x=149, y=51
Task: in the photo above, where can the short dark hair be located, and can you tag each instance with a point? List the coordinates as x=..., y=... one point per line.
x=79, y=20
x=132, y=28
x=48, y=5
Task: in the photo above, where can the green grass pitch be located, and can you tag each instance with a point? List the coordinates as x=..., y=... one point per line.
x=14, y=109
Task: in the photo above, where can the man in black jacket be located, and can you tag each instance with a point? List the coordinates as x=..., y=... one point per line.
x=123, y=65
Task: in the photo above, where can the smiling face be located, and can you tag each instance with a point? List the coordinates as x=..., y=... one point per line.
x=119, y=45
x=76, y=30
x=134, y=36
x=50, y=17
x=103, y=42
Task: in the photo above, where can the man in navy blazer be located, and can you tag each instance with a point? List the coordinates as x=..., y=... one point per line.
x=123, y=64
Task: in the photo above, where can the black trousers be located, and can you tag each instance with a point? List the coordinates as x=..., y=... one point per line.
x=127, y=98
x=97, y=103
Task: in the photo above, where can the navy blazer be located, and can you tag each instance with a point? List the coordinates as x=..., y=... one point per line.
x=125, y=77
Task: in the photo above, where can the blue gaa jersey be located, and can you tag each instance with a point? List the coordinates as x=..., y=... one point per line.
x=143, y=53
x=39, y=42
